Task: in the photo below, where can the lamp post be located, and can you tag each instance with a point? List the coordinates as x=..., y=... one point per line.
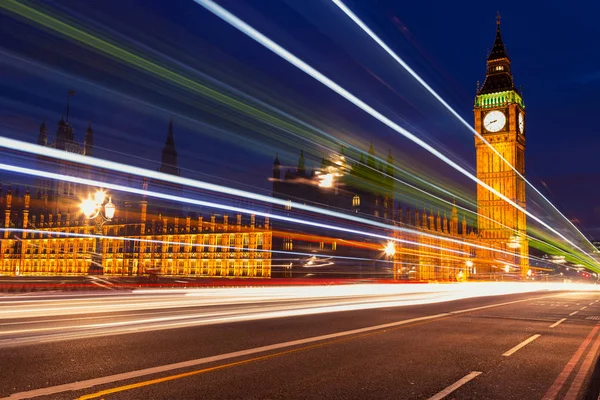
x=390, y=251
x=99, y=211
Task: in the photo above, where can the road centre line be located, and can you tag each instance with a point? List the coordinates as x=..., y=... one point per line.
x=455, y=386
x=521, y=345
x=583, y=308
x=566, y=372
x=557, y=323
x=585, y=368
x=73, y=386
x=573, y=313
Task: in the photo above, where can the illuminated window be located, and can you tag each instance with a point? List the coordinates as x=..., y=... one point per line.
x=321, y=245
x=288, y=245
x=334, y=246
x=259, y=267
x=356, y=201
x=246, y=242
x=205, y=243
x=231, y=242
x=288, y=205
x=259, y=242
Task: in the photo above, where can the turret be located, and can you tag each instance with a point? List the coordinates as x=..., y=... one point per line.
x=88, y=144
x=276, y=168
x=169, y=154
x=371, y=158
x=454, y=221
x=301, y=170
x=42, y=139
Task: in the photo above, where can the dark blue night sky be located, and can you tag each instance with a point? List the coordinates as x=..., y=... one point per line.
x=553, y=49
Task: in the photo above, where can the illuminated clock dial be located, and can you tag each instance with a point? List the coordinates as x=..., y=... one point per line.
x=521, y=123
x=494, y=121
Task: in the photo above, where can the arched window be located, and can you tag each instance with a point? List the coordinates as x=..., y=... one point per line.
x=356, y=201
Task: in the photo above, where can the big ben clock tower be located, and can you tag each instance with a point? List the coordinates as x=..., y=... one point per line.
x=500, y=119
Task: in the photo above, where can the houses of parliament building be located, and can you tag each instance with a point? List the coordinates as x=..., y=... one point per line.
x=45, y=234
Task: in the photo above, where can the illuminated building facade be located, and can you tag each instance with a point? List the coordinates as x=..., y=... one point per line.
x=428, y=256
x=367, y=189
x=135, y=243
x=50, y=236
x=500, y=118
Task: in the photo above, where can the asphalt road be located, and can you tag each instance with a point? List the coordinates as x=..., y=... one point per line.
x=254, y=345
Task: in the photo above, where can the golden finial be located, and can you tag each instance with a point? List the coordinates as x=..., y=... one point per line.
x=498, y=18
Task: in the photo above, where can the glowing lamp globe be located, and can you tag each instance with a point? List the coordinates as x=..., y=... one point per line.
x=109, y=209
x=99, y=197
x=88, y=207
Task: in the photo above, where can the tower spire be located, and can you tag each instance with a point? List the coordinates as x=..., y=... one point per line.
x=498, y=76
x=169, y=154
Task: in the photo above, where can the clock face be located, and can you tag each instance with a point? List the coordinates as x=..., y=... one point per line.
x=521, y=123
x=494, y=121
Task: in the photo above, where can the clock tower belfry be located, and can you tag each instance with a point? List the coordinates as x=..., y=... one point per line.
x=500, y=118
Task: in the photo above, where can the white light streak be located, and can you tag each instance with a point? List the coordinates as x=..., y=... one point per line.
x=49, y=152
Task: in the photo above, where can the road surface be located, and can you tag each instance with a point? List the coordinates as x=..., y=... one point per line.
x=300, y=343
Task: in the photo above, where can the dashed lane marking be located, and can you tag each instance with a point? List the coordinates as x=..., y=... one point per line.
x=455, y=385
x=557, y=323
x=521, y=345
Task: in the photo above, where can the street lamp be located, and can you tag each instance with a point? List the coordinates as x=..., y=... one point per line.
x=95, y=209
x=92, y=208
x=390, y=249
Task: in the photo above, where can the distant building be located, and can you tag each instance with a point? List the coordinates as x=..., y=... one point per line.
x=365, y=189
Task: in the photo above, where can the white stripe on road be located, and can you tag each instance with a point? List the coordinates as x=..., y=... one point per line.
x=573, y=313
x=583, y=308
x=455, y=386
x=521, y=345
x=557, y=323
x=191, y=363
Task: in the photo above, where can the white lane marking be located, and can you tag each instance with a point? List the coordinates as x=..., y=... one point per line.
x=557, y=323
x=191, y=363
x=455, y=386
x=521, y=345
x=573, y=313
x=583, y=308
x=591, y=303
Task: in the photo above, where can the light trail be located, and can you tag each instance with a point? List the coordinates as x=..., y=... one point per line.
x=103, y=46
x=303, y=66
x=167, y=242
x=109, y=48
x=439, y=98
x=48, y=152
x=123, y=168
x=121, y=188
x=193, y=307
